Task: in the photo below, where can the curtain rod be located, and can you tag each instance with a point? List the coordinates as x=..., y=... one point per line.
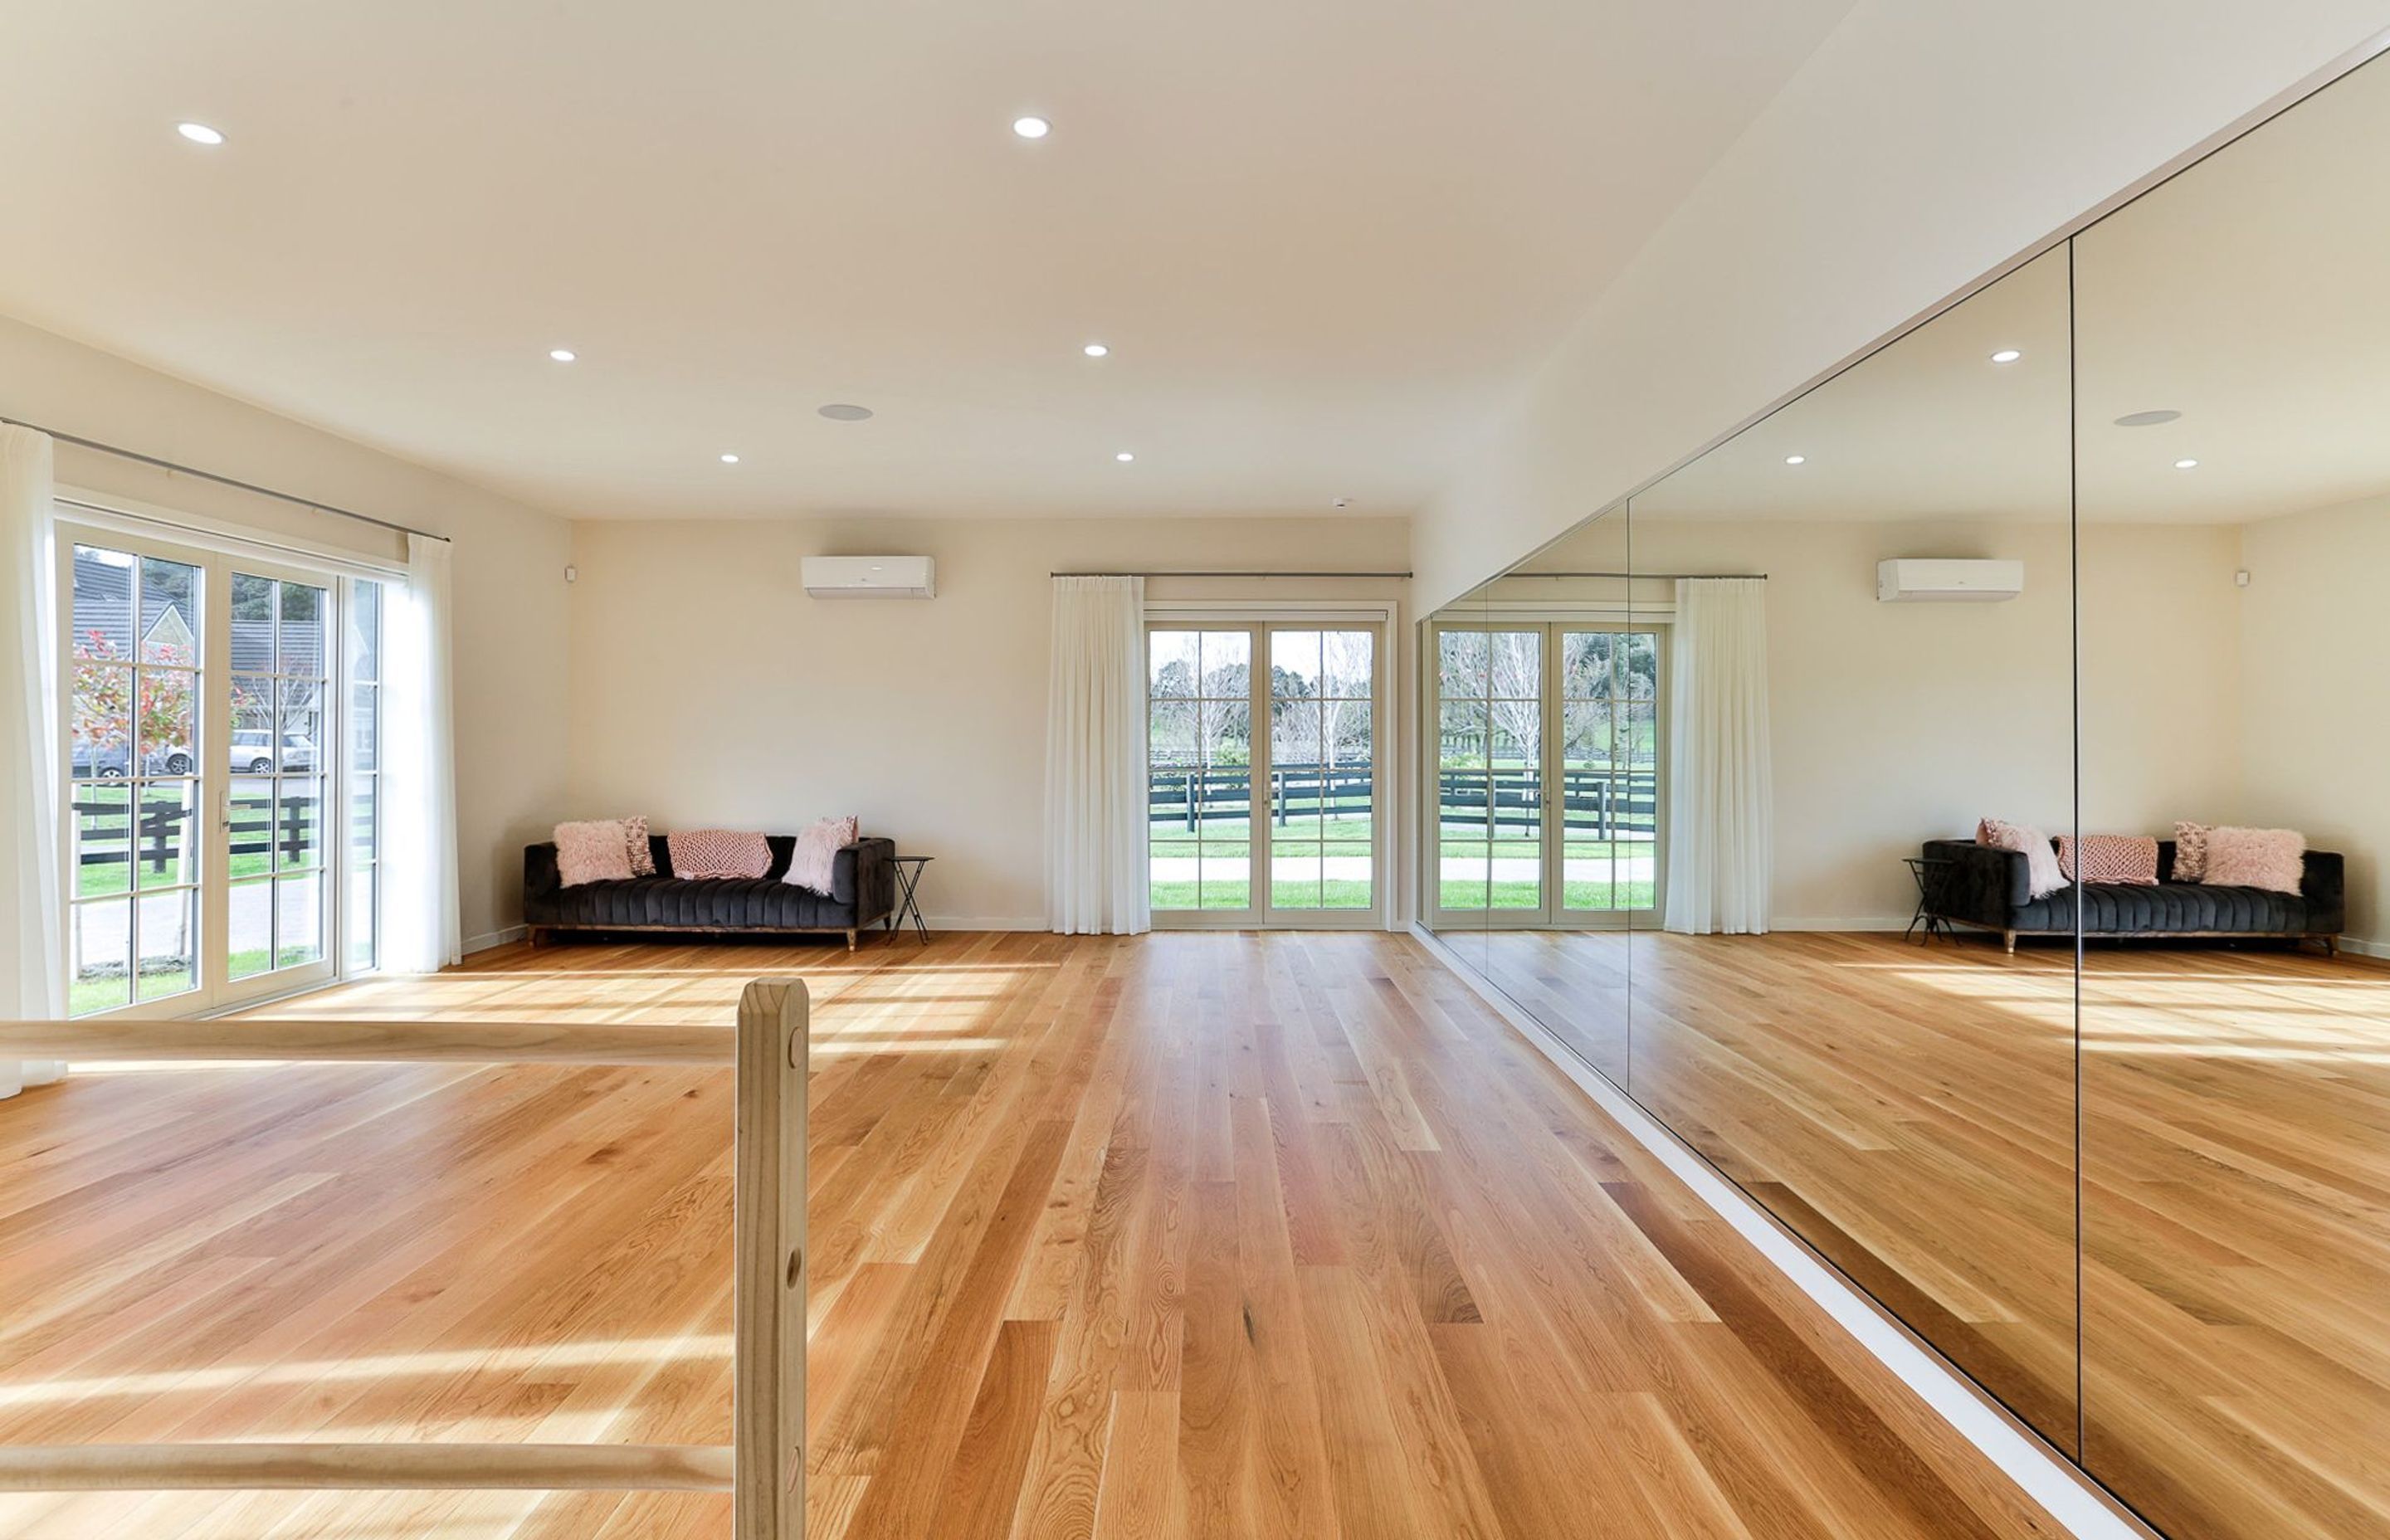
x=1754, y=577
x=220, y=481
x=1234, y=574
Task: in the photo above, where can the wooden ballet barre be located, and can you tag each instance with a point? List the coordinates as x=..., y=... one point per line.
x=366, y=1467
x=372, y=1041
x=762, y=1468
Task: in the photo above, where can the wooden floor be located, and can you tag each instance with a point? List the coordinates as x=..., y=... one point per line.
x=1912, y=1110
x=1186, y=1236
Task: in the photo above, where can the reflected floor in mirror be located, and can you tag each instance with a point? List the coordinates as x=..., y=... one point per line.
x=1886, y=1099
x=1908, y=1112
x=2236, y=1290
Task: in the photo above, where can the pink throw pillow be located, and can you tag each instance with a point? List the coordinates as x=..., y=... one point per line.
x=2191, y=852
x=718, y=853
x=2128, y=859
x=2042, y=876
x=2274, y=859
x=642, y=856
x=815, y=866
x=593, y=851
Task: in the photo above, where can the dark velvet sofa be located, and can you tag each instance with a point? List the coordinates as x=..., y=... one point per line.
x=863, y=892
x=1972, y=884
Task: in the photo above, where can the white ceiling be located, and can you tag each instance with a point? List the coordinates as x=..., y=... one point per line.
x=1326, y=240
x=2251, y=294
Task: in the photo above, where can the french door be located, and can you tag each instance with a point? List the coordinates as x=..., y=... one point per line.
x=208, y=759
x=1264, y=779
x=1548, y=773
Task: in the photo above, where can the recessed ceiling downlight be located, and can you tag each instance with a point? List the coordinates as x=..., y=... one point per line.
x=2186, y=464
x=839, y=411
x=729, y=459
x=1123, y=456
x=1031, y=128
x=1796, y=460
x=2148, y=419
x=200, y=134
x=562, y=355
x=1096, y=350
x=2008, y=355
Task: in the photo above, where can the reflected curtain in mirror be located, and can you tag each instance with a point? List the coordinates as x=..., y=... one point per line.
x=1721, y=814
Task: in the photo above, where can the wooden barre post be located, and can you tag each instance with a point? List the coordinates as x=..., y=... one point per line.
x=372, y=1041
x=366, y=1467
x=768, y=1345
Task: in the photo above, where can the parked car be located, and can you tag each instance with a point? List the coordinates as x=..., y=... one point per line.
x=253, y=751
x=107, y=764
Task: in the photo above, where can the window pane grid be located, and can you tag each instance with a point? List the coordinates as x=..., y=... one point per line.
x=133, y=769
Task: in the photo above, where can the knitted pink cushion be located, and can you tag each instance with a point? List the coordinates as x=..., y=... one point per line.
x=2125, y=858
x=704, y=853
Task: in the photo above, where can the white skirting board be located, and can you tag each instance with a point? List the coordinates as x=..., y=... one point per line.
x=2046, y=1476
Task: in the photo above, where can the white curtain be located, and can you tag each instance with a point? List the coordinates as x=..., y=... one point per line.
x=422, y=933
x=1095, y=760
x=1721, y=811
x=33, y=967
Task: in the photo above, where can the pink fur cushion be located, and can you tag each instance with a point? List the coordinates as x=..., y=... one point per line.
x=593, y=851
x=2042, y=876
x=2191, y=852
x=708, y=853
x=2124, y=859
x=815, y=863
x=2274, y=859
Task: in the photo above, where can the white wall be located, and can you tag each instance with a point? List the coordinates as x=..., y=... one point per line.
x=1920, y=148
x=707, y=688
x=510, y=625
x=2314, y=703
x=1891, y=724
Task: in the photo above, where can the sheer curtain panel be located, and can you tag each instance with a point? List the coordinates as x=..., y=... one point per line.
x=422, y=933
x=32, y=964
x=1095, y=760
x=1721, y=808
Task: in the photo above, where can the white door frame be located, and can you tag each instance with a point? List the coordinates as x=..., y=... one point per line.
x=138, y=529
x=1552, y=620
x=1257, y=616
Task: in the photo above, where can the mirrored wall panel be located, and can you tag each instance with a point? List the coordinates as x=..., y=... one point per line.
x=1955, y=807
x=2234, y=423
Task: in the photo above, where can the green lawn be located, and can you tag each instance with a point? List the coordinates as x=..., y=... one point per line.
x=106, y=992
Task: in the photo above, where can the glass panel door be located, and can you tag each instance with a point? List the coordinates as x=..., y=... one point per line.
x=1540, y=715
x=276, y=834
x=1274, y=827
x=1322, y=772
x=136, y=776
x=1199, y=770
x=1490, y=770
x=1608, y=748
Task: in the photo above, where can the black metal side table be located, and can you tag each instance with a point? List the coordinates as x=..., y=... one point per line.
x=1927, y=870
x=908, y=896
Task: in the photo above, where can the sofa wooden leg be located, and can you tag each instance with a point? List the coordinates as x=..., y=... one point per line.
x=850, y=941
x=2009, y=939
x=536, y=935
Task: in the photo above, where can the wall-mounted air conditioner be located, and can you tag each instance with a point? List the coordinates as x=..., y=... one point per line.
x=1913, y=581
x=870, y=577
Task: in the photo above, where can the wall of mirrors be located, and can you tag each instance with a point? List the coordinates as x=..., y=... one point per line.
x=1749, y=822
